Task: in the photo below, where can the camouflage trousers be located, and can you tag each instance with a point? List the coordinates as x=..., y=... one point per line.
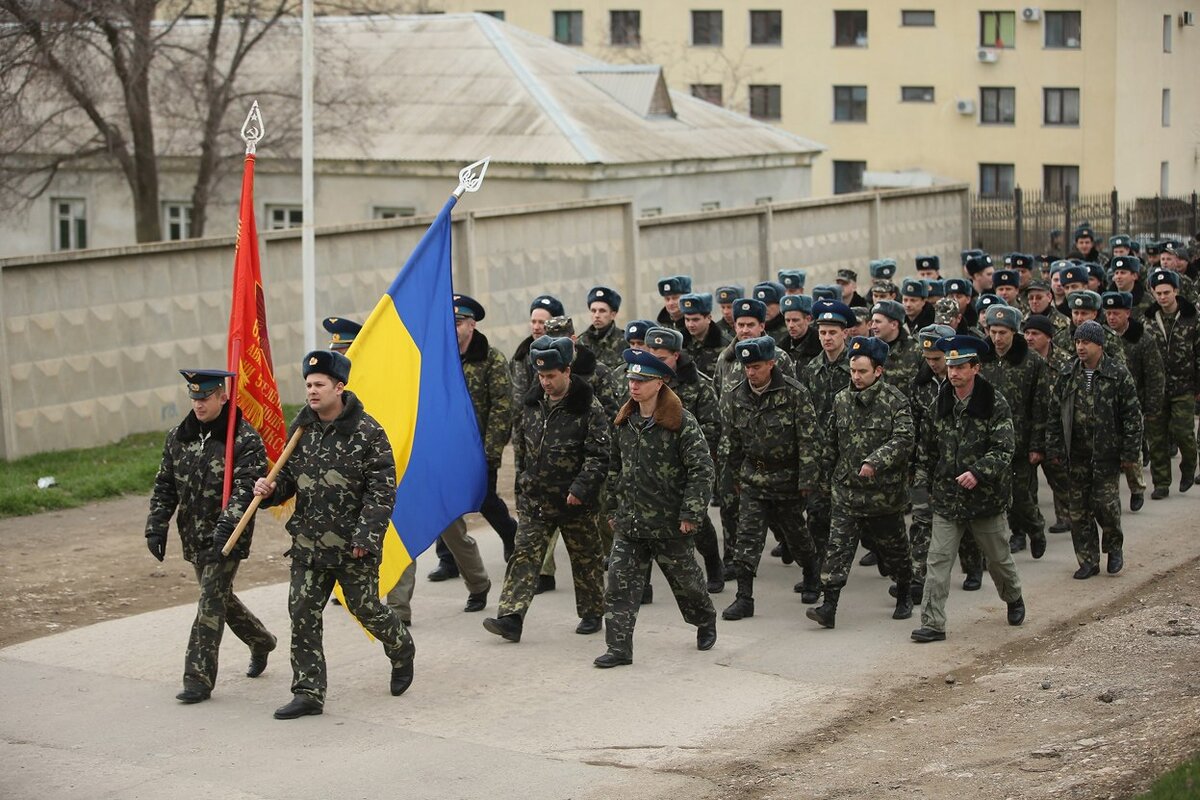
x=603, y=531
x=727, y=501
x=218, y=607
x=1024, y=516
x=1135, y=478
x=921, y=530
x=307, y=596
x=1174, y=426
x=755, y=514
x=883, y=534
x=534, y=537
x=991, y=534
x=627, y=578
x=1060, y=488
x=1095, y=501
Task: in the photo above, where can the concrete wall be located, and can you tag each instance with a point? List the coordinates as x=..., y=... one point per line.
x=90, y=341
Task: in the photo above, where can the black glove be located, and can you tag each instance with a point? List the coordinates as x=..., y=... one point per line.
x=156, y=543
x=220, y=537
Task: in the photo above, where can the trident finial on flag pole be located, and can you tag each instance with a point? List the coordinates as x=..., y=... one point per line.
x=253, y=129
x=468, y=181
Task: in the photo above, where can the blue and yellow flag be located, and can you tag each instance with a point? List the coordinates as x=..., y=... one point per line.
x=408, y=374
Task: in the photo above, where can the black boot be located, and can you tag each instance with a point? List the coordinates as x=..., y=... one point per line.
x=810, y=590
x=506, y=627
x=714, y=569
x=742, y=605
x=904, y=603
x=826, y=613
x=1016, y=543
x=402, y=678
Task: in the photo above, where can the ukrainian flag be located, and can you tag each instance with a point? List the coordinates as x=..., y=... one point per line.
x=408, y=375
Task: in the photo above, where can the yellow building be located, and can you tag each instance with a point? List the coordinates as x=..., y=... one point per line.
x=1091, y=94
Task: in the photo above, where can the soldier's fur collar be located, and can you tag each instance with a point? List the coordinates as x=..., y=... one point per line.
x=1187, y=310
x=808, y=345
x=924, y=374
x=981, y=405
x=578, y=399
x=686, y=370
x=477, y=348
x=1015, y=356
x=522, y=351
x=1133, y=334
x=192, y=429
x=584, y=363
x=712, y=338
x=668, y=414
x=346, y=422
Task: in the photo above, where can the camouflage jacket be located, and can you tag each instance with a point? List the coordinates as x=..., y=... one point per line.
x=607, y=344
x=705, y=351
x=191, y=478
x=1061, y=321
x=523, y=375
x=1102, y=425
x=922, y=394
x=1112, y=343
x=1020, y=375
x=343, y=477
x=873, y=426
x=726, y=329
x=803, y=350
x=975, y=436
x=1146, y=366
x=903, y=359
x=824, y=379
x=490, y=385
x=923, y=318
x=660, y=472
x=777, y=330
x=770, y=438
x=664, y=320
x=1178, y=343
x=730, y=371
x=695, y=391
x=560, y=448
x=607, y=388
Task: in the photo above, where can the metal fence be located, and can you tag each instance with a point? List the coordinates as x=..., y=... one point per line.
x=1040, y=222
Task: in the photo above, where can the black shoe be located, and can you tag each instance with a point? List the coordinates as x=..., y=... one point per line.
x=1136, y=501
x=506, y=627
x=1016, y=543
x=1016, y=611
x=476, y=601
x=706, y=636
x=740, y=608
x=825, y=614
x=1086, y=571
x=904, y=603
x=917, y=593
x=786, y=556
x=1037, y=545
x=258, y=663
x=1116, y=560
x=1060, y=527
x=869, y=560
x=716, y=585
x=589, y=625
x=401, y=679
x=301, y=706
x=1186, y=481
x=444, y=572
x=545, y=584
x=973, y=581
x=778, y=550
x=1159, y=493
x=729, y=573
x=611, y=659
x=809, y=594
x=647, y=595
x=189, y=696
x=926, y=635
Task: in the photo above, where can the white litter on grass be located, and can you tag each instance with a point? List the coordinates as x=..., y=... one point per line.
x=46, y=482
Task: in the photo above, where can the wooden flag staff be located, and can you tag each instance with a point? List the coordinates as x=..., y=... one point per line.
x=257, y=501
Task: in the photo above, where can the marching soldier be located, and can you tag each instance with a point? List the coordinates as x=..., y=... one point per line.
x=1039, y=332
x=887, y=325
x=671, y=289
x=1006, y=283
x=802, y=342
x=343, y=477
x=1126, y=277
x=868, y=445
x=914, y=296
x=660, y=475
x=1096, y=430
x=190, y=481
x=704, y=339
x=1176, y=329
x=792, y=280
x=929, y=268
x=847, y=280
x=769, y=294
x=542, y=308
x=961, y=293
x=561, y=449
x=604, y=337
x=1085, y=306
x=1085, y=246
x=979, y=269
x=726, y=295
x=1041, y=302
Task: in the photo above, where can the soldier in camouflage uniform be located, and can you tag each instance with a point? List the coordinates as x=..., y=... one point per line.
x=560, y=446
x=965, y=455
x=704, y=340
x=792, y=281
x=343, y=476
x=1039, y=331
x=190, y=480
x=1126, y=277
x=1095, y=428
x=660, y=475
x=1174, y=258
x=1176, y=329
x=543, y=307
x=887, y=325
x=1146, y=367
x=604, y=336
x=768, y=431
x=671, y=289
x=868, y=444
x=914, y=296
x=1041, y=302
x=1085, y=306
x=802, y=342
x=769, y=294
x=725, y=297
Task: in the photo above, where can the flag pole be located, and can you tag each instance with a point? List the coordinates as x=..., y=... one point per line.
x=308, y=243
x=468, y=181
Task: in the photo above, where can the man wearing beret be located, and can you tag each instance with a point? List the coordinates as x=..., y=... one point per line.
x=1145, y=365
x=768, y=430
x=1020, y=374
x=1174, y=324
x=342, y=332
x=190, y=481
x=887, y=325
x=671, y=289
x=604, y=336
x=792, y=280
x=1085, y=306
x=725, y=297
x=914, y=296
x=543, y=307
x=343, y=476
x=868, y=444
x=802, y=342
x=847, y=280
x=660, y=475
x=1095, y=429
x=965, y=455
x=703, y=340
x=561, y=449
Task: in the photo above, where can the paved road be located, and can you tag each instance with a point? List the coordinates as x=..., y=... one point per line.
x=90, y=713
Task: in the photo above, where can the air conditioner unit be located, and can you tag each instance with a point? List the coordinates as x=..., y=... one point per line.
x=1031, y=14
x=1187, y=18
x=987, y=55
x=965, y=107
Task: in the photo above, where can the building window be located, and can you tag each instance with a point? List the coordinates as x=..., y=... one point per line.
x=707, y=28
x=996, y=180
x=1168, y=28
x=177, y=221
x=70, y=223
x=708, y=91
x=568, y=27
x=849, y=29
x=916, y=94
x=1061, y=106
x=847, y=176
x=997, y=28
x=916, y=19
x=652, y=211
x=850, y=104
x=392, y=212
x=625, y=28
x=766, y=27
x=280, y=218
x=763, y=201
x=1164, y=177
x=710, y=205
x=765, y=101
x=1062, y=29
x=1166, y=108
x=997, y=105
x=497, y=14
x=1060, y=181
